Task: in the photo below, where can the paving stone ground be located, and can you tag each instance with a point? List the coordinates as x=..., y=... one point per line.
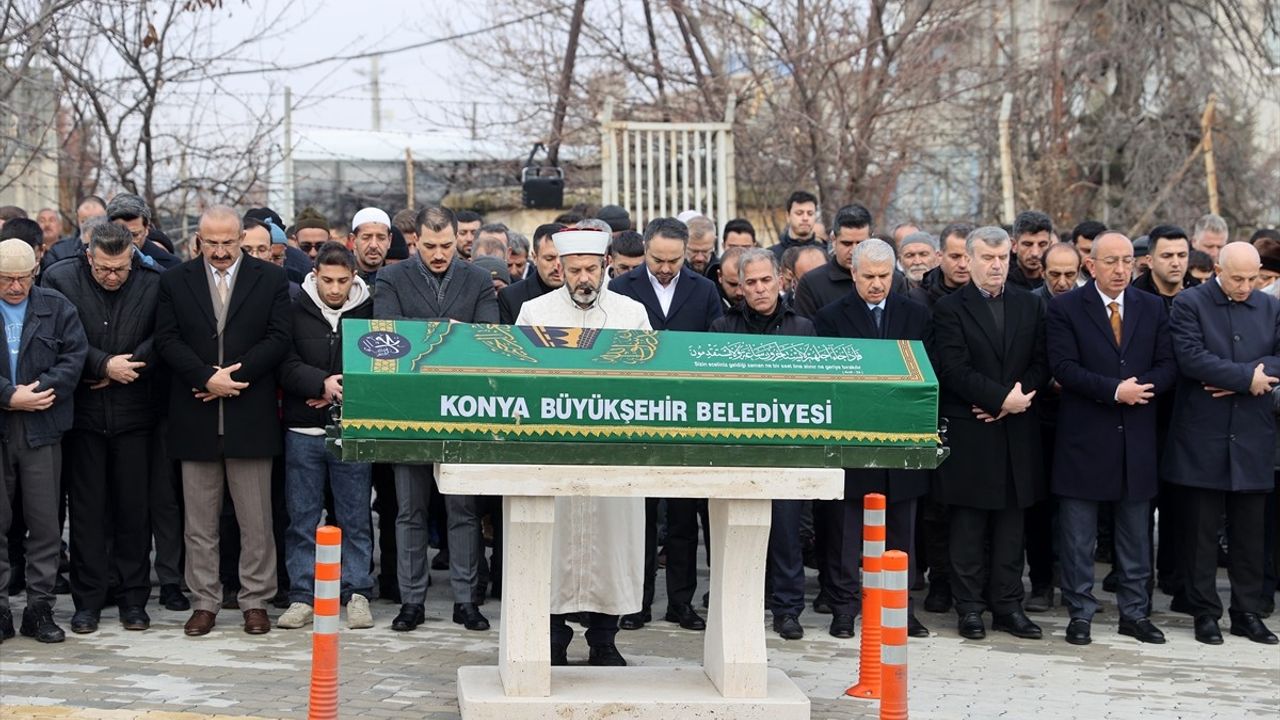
x=161, y=674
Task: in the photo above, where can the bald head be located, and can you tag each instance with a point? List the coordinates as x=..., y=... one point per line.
x=1239, y=255
x=1111, y=241
x=1238, y=268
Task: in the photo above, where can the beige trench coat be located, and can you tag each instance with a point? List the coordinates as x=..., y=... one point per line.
x=598, y=543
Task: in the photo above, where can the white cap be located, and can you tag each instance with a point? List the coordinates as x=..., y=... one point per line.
x=581, y=242
x=16, y=256
x=687, y=215
x=370, y=215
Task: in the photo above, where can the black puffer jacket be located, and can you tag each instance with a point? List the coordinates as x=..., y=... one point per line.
x=316, y=354
x=745, y=321
x=116, y=323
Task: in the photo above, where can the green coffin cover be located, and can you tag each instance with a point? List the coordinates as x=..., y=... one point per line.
x=410, y=380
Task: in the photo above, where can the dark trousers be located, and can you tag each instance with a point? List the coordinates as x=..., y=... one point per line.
x=165, y=508
x=1039, y=522
x=1170, y=528
x=38, y=472
x=682, y=550
x=986, y=559
x=1078, y=527
x=601, y=629
x=786, y=559
x=1245, y=518
x=937, y=534
x=841, y=535
x=110, y=531
x=384, y=503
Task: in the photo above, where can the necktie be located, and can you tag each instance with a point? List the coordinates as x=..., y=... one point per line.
x=222, y=286
x=1114, y=307
x=877, y=313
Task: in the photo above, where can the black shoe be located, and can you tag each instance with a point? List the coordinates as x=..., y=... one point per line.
x=6, y=624
x=37, y=622
x=17, y=582
x=171, y=598
x=559, y=655
x=1040, y=600
x=939, y=598
x=688, y=618
x=61, y=586
x=495, y=590
x=134, y=617
x=635, y=621
x=1268, y=607
x=1250, y=625
x=606, y=656
x=970, y=626
x=822, y=603
x=788, y=627
x=842, y=625
x=468, y=616
x=1017, y=624
x=1111, y=582
x=1142, y=629
x=1207, y=630
x=84, y=622
x=915, y=628
x=440, y=561
x=1179, y=604
x=1078, y=632
x=411, y=616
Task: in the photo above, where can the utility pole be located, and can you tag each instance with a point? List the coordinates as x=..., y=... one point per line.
x=566, y=83
x=287, y=207
x=375, y=89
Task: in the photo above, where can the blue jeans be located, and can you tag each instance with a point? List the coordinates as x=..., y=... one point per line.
x=307, y=465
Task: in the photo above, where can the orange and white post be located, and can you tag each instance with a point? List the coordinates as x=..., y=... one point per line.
x=873, y=514
x=893, y=653
x=324, y=637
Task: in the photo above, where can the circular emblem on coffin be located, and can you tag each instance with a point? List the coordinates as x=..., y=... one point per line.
x=384, y=345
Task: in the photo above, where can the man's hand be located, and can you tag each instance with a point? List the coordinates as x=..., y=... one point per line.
x=1016, y=401
x=26, y=398
x=333, y=389
x=985, y=416
x=221, y=385
x=1262, y=382
x=1217, y=391
x=123, y=370
x=318, y=403
x=98, y=384
x=1131, y=392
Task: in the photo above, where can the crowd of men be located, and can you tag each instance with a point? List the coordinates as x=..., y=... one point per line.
x=1097, y=393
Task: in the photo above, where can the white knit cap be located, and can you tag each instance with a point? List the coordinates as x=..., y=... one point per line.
x=581, y=242
x=16, y=256
x=370, y=215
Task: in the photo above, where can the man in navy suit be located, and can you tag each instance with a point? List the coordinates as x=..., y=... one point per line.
x=676, y=298
x=1109, y=349
x=871, y=311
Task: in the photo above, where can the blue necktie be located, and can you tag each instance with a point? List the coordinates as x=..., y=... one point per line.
x=877, y=313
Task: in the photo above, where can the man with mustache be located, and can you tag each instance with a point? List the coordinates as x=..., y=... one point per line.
x=370, y=240
x=1032, y=234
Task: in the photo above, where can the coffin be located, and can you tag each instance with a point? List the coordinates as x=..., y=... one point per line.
x=441, y=392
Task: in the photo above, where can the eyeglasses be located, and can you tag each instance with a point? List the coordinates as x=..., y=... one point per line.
x=11, y=280
x=104, y=270
x=309, y=247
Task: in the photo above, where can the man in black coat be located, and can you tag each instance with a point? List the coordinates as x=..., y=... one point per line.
x=988, y=350
x=436, y=285
x=676, y=298
x=134, y=214
x=1032, y=235
x=764, y=312
x=826, y=284
x=1226, y=337
x=547, y=275
x=1109, y=349
x=872, y=311
x=222, y=327
x=108, y=449
x=311, y=378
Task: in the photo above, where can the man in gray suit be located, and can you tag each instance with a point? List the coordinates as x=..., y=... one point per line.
x=439, y=286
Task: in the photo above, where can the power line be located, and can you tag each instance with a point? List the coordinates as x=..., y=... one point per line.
x=380, y=53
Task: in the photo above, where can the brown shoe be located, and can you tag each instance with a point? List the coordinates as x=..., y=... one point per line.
x=201, y=623
x=256, y=622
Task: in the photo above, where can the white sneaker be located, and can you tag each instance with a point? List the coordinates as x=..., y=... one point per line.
x=358, y=615
x=298, y=615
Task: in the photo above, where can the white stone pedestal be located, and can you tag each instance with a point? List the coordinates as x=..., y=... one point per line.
x=734, y=680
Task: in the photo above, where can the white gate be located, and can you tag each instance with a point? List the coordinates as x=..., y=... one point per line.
x=657, y=169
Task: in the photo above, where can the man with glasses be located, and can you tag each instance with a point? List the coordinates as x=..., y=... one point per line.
x=310, y=232
x=47, y=349
x=133, y=213
x=1109, y=349
x=108, y=454
x=222, y=327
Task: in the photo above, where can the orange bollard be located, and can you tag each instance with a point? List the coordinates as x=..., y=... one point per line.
x=893, y=697
x=873, y=507
x=323, y=704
